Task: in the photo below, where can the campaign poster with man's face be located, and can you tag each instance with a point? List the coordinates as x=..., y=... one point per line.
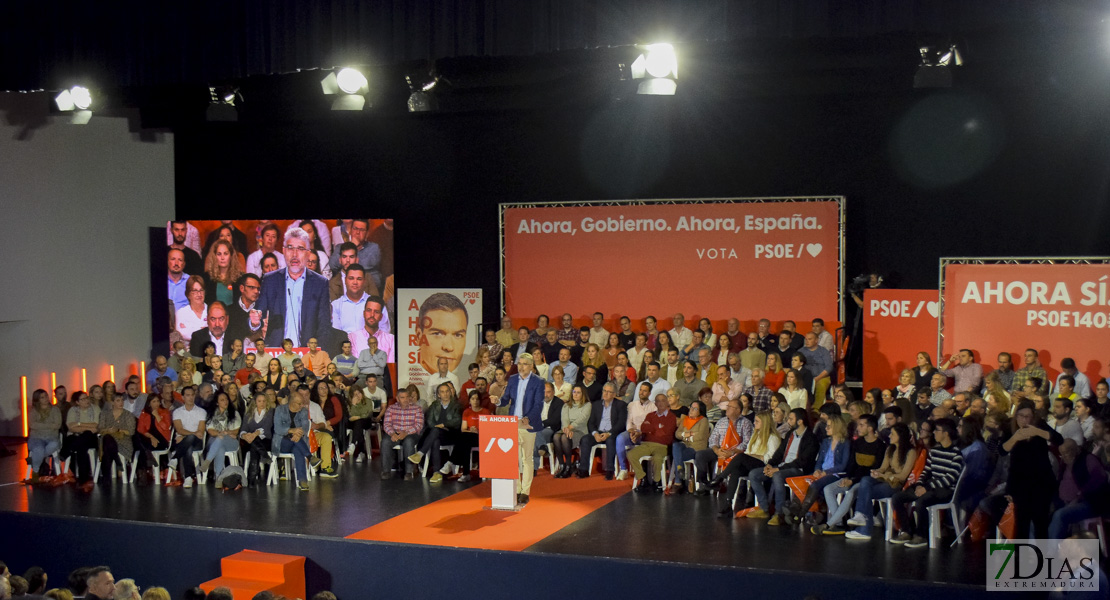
x=434, y=326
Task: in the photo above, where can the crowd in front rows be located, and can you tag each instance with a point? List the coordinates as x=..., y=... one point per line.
x=98, y=583
x=754, y=418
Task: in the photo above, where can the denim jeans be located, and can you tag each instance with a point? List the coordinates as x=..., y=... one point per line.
x=300, y=452
x=543, y=438
x=40, y=448
x=871, y=489
x=779, y=493
x=838, y=510
x=216, y=450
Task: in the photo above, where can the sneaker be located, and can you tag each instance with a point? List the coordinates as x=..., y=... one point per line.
x=282, y=475
x=188, y=483
x=359, y=458
x=329, y=473
x=775, y=521
x=703, y=490
x=464, y=478
x=834, y=530
x=857, y=520
x=758, y=513
x=447, y=468
x=818, y=529
x=303, y=486
x=917, y=542
x=438, y=477
x=622, y=475
x=315, y=462
x=901, y=538
x=856, y=535
x=416, y=457
x=204, y=465
x=387, y=474
x=350, y=448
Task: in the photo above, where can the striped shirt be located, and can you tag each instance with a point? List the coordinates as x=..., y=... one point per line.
x=942, y=467
x=743, y=429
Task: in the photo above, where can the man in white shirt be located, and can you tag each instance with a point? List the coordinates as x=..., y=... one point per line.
x=680, y=335
x=598, y=334
x=132, y=403
x=346, y=310
x=824, y=338
x=188, y=422
x=658, y=384
x=442, y=375
x=637, y=410
x=636, y=353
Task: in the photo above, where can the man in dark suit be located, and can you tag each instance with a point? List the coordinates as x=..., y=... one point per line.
x=796, y=456
x=216, y=332
x=238, y=314
x=524, y=393
x=608, y=419
x=522, y=347
x=294, y=301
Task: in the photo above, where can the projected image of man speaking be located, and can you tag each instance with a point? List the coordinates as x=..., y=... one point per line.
x=441, y=331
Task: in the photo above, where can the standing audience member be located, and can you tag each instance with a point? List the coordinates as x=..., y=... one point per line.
x=1032, y=486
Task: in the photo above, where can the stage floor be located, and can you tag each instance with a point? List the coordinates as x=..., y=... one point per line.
x=680, y=529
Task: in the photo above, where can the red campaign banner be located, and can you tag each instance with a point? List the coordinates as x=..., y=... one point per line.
x=1060, y=310
x=897, y=325
x=749, y=260
x=497, y=443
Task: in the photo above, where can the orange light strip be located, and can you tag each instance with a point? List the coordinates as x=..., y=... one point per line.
x=142, y=376
x=112, y=373
x=84, y=380
x=53, y=384
x=23, y=404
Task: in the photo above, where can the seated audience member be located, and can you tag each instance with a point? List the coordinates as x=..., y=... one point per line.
x=760, y=449
x=575, y=424
x=657, y=431
x=795, y=456
x=692, y=436
x=779, y=411
x=1032, y=487
x=625, y=386
x=325, y=410
x=967, y=373
x=255, y=436
x=594, y=358
x=497, y=389
x=898, y=462
x=924, y=371
x=1063, y=422
x=472, y=376
x=442, y=422
x=570, y=370
x=675, y=404
x=609, y=420
x=697, y=344
x=543, y=370
x=688, y=385
x=523, y=345
x=291, y=426
x=1084, y=489
x=82, y=424
x=923, y=409
x=403, y=423
x=724, y=390
x=937, y=393
x=561, y=385
x=831, y=464
x=636, y=410
x=44, y=422
x=360, y=418
x=161, y=368
x=316, y=360
x=116, y=428
x=223, y=424
x=636, y=352
x=752, y=357
x=792, y=389
x=551, y=347
x=819, y=364
x=345, y=362
x=626, y=336
x=188, y=423
x=1078, y=382
x=1101, y=406
x=301, y=373
x=467, y=438
x=867, y=454
x=591, y=383
x=373, y=360
x=491, y=346
x=936, y=485
x=760, y=394
x=441, y=376
x=773, y=373
x=1085, y=416
x=153, y=431
x=551, y=415
x=729, y=438
x=671, y=369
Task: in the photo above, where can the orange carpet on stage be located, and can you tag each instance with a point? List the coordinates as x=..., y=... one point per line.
x=462, y=521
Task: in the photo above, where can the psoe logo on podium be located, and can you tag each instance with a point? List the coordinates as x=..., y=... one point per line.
x=497, y=441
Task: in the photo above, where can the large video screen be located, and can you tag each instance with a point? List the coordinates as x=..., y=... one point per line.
x=311, y=281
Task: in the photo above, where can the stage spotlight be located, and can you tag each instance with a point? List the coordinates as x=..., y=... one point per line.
x=657, y=66
x=221, y=104
x=934, y=70
x=77, y=100
x=421, y=98
x=350, y=87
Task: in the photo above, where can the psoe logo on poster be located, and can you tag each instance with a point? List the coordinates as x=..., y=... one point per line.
x=1044, y=565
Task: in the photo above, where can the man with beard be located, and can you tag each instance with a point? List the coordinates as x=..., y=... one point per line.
x=194, y=265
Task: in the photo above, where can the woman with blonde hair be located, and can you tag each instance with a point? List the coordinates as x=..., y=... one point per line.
x=485, y=364
x=905, y=387
x=774, y=375
x=221, y=273
x=592, y=357
x=188, y=374
x=761, y=447
x=997, y=398
x=156, y=593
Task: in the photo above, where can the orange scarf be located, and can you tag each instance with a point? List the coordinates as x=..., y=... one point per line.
x=732, y=438
x=688, y=423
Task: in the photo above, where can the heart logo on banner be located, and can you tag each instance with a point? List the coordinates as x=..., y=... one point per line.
x=933, y=308
x=505, y=444
x=814, y=249
x=472, y=301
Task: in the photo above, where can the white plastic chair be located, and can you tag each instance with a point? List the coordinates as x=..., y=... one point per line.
x=272, y=478
x=55, y=461
x=198, y=457
x=662, y=469
x=594, y=450
x=953, y=510
x=886, y=510
x=445, y=448
x=128, y=474
x=550, y=456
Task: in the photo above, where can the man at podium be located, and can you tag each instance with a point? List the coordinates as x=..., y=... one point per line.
x=524, y=394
